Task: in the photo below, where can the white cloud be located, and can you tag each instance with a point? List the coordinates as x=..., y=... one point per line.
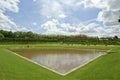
x=5, y=22
x=51, y=26
x=109, y=17
x=34, y=23
x=102, y=4
x=109, y=10
x=55, y=27
x=92, y=29
x=95, y=3
x=51, y=8
x=62, y=8
x=62, y=16
x=11, y=5
x=58, y=8
x=34, y=0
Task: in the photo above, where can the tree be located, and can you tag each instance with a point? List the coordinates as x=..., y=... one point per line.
x=119, y=20
x=1, y=35
x=115, y=37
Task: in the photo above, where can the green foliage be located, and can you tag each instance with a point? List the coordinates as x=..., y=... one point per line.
x=1, y=36
x=28, y=37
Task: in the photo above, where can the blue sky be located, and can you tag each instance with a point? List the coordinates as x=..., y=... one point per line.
x=71, y=17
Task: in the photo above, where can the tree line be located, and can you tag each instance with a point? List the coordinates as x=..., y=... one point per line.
x=30, y=37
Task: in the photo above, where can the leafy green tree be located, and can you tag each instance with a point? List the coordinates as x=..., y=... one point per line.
x=115, y=37
x=1, y=35
x=26, y=37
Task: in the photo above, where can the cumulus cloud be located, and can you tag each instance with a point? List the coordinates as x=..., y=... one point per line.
x=109, y=10
x=56, y=27
x=108, y=15
x=58, y=8
x=58, y=11
x=5, y=22
x=92, y=29
x=103, y=4
x=51, y=8
x=52, y=27
x=11, y=5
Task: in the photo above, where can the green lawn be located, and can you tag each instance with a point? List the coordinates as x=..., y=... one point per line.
x=106, y=67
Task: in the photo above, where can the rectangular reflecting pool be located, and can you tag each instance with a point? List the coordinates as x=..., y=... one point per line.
x=62, y=61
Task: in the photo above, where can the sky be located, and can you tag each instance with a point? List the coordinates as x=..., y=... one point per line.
x=61, y=17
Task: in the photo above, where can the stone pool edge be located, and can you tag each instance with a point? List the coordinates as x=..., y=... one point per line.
x=34, y=62
x=85, y=63
x=54, y=70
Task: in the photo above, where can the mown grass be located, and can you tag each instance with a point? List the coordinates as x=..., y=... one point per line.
x=12, y=67
x=106, y=67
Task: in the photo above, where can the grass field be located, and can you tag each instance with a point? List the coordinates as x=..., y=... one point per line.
x=106, y=67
